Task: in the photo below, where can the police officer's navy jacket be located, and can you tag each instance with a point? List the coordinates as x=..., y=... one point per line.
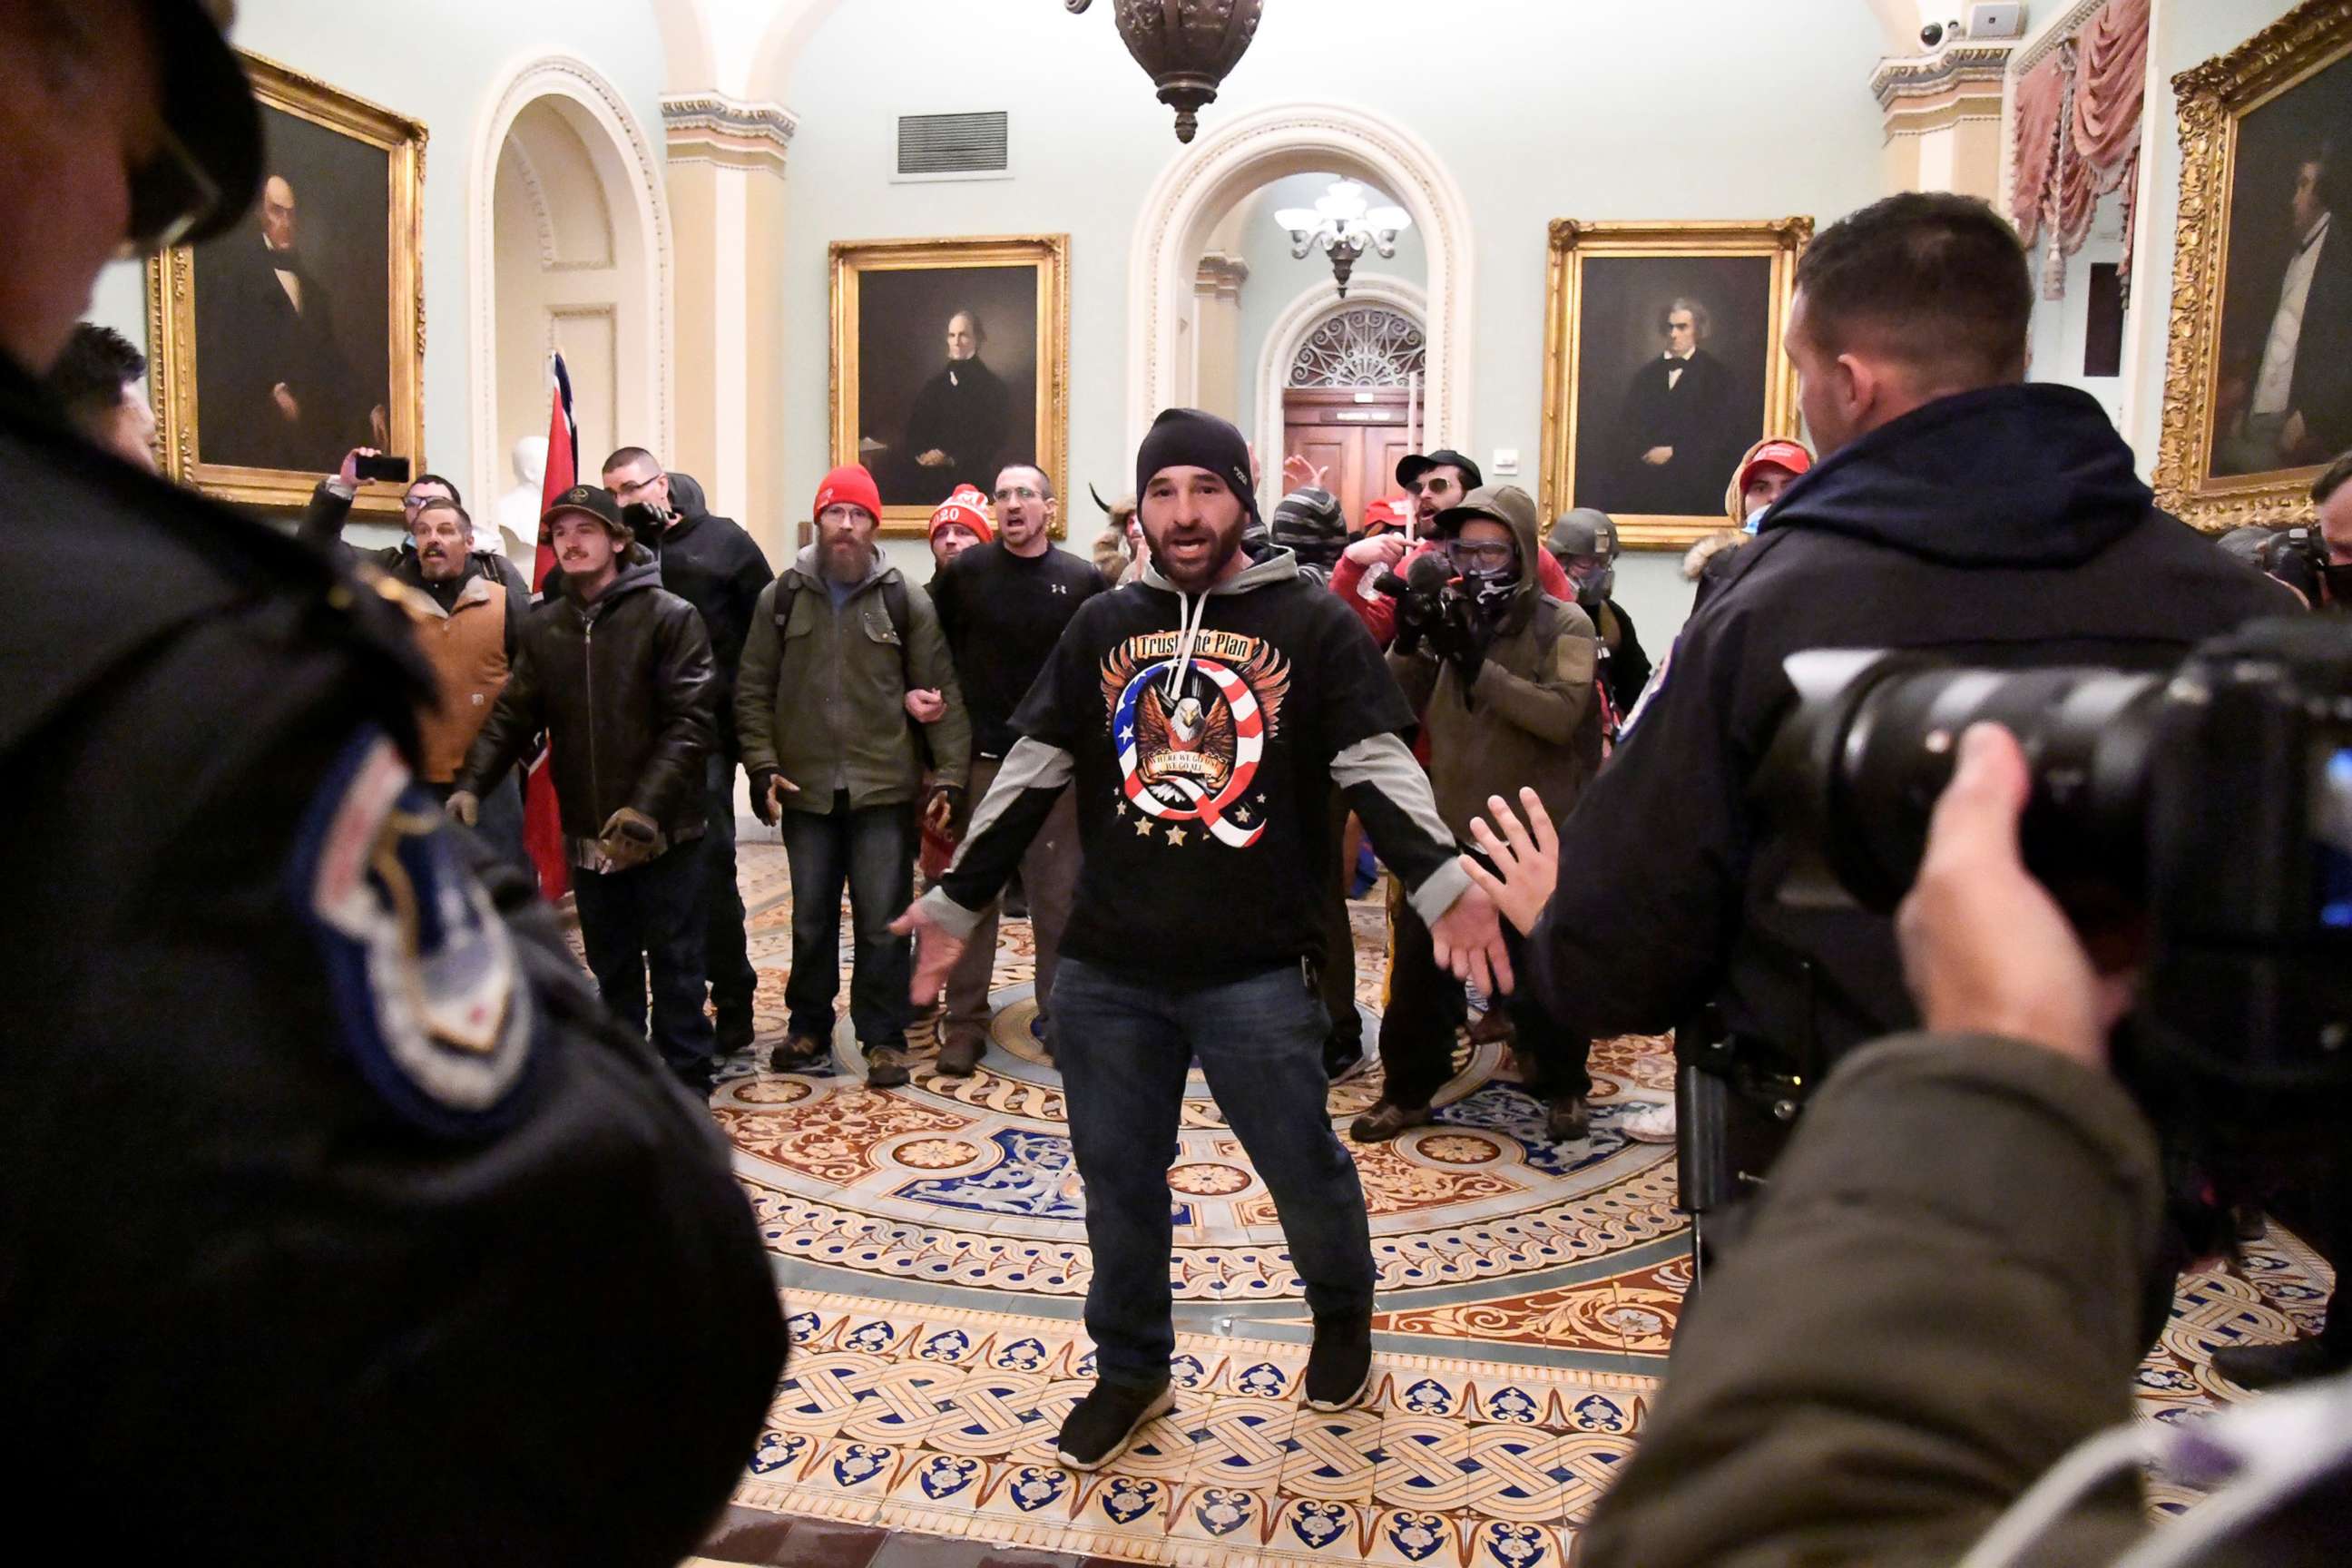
x=340, y=1224
x=2003, y=526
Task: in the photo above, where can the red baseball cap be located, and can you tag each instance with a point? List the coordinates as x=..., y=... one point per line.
x=1388, y=513
x=1788, y=455
x=848, y=485
x=967, y=506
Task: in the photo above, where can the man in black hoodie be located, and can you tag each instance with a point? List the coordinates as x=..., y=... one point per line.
x=711, y=563
x=1200, y=721
x=1955, y=509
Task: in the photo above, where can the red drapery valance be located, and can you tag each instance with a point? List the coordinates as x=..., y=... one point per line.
x=2077, y=134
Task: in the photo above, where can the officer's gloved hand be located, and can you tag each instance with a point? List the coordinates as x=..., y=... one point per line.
x=630, y=838
x=463, y=806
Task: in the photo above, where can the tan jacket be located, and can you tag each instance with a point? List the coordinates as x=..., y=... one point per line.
x=466, y=646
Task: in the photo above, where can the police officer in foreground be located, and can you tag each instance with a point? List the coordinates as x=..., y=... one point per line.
x=342, y=1225
x=1955, y=508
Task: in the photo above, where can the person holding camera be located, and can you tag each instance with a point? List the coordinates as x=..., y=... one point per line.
x=714, y=565
x=617, y=672
x=1939, y=1297
x=1955, y=508
x=1503, y=674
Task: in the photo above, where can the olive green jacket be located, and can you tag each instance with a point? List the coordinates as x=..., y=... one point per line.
x=1940, y=1295
x=824, y=702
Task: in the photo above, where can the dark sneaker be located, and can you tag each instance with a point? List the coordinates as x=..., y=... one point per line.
x=2275, y=1367
x=1340, y=1367
x=1566, y=1119
x=1105, y=1421
x=798, y=1053
x=886, y=1067
x=1493, y=1029
x=2246, y=1220
x=1384, y=1121
x=735, y=1031
x=697, y=1076
x=959, y=1055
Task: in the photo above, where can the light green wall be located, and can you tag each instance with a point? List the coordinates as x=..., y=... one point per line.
x=440, y=61
x=1538, y=109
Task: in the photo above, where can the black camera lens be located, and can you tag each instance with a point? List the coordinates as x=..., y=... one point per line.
x=1875, y=737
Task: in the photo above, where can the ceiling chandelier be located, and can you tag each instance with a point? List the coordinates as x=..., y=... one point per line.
x=1341, y=224
x=1186, y=47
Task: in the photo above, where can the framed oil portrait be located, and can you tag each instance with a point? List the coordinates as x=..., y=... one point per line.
x=2258, y=384
x=1662, y=365
x=280, y=346
x=951, y=359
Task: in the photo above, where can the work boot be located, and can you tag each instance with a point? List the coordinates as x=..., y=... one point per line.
x=886, y=1066
x=1566, y=1119
x=961, y=1054
x=1385, y=1120
x=1340, y=1367
x=797, y=1053
x=1101, y=1426
x=2275, y=1367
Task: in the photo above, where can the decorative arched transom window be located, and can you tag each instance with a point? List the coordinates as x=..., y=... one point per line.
x=1362, y=345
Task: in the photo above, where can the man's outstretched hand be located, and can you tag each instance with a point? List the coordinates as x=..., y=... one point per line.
x=936, y=951
x=1526, y=857
x=1985, y=949
x=1468, y=942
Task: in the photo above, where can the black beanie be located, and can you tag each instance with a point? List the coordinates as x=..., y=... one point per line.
x=1188, y=438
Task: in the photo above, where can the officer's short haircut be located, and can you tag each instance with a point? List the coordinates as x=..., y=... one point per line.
x=628, y=457
x=1044, y=479
x=2328, y=483
x=464, y=519
x=1928, y=277
x=92, y=376
x=437, y=479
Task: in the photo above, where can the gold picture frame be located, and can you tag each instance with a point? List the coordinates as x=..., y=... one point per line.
x=2216, y=99
x=1573, y=434
x=241, y=460
x=905, y=287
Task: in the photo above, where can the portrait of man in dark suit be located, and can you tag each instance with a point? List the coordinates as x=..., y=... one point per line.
x=2286, y=393
x=277, y=388
x=1673, y=454
x=962, y=416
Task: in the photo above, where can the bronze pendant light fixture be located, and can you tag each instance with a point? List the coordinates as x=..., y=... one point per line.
x=1186, y=47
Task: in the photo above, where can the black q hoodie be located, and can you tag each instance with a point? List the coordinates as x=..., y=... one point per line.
x=2001, y=527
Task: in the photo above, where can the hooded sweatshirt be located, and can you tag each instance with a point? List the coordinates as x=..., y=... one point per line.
x=1528, y=718
x=1203, y=736
x=2002, y=527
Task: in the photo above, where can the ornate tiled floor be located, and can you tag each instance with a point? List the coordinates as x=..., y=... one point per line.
x=928, y=1245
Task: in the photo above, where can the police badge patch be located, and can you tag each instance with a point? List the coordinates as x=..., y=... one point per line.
x=426, y=980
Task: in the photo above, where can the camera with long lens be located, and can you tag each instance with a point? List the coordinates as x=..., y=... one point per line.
x=2209, y=809
x=2203, y=814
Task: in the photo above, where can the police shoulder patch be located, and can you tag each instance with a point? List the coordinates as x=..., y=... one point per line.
x=426, y=984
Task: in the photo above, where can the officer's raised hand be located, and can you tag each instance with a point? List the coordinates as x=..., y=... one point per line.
x=1526, y=857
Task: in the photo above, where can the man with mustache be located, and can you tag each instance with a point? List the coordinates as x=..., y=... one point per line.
x=468, y=624
x=618, y=671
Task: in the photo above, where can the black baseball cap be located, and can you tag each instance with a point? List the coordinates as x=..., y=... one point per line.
x=1413, y=465
x=204, y=179
x=593, y=500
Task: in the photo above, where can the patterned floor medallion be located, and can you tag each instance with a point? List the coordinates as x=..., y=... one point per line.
x=932, y=1248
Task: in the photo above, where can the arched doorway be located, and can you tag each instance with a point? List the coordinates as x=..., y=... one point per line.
x=1202, y=188
x=571, y=249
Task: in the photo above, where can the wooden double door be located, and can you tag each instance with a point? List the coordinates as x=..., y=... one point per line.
x=1356, y=437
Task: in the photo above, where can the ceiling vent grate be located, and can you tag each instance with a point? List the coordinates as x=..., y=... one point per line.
x=945, y=145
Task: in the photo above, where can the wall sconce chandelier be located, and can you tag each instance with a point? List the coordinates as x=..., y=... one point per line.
x=1341, y=224
x=1186, y=47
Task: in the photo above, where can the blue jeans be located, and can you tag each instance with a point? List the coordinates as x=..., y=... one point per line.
x=873, y=851
x=650, y=915
x=726, y=953
x=1124, y=1051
